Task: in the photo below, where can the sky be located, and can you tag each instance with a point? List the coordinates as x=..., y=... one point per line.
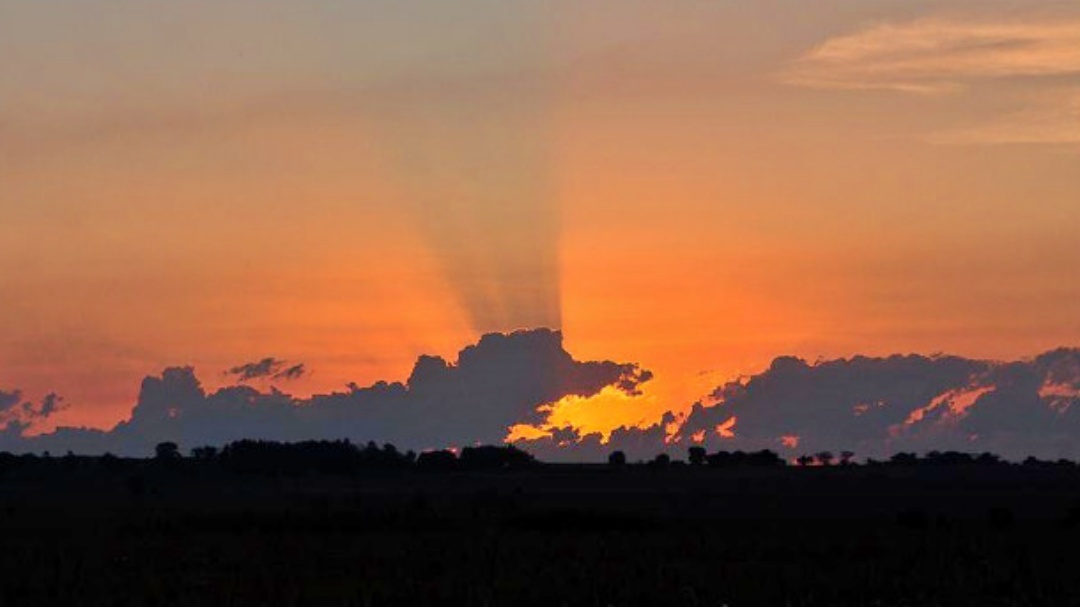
x=694, y=187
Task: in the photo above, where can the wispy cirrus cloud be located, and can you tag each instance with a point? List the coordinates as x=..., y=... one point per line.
x=935, y=56
x=939, y=57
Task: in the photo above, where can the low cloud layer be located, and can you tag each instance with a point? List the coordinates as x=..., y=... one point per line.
x=494, y=384
x=879, y=406
x=874, y=406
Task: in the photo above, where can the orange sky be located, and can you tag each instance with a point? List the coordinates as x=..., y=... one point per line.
x=701, y=186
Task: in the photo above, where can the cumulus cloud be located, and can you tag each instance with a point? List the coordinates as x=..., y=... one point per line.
x=496, y=383
x=875, y=406
x=267, y=368
x=948, y=56
x=878, y=406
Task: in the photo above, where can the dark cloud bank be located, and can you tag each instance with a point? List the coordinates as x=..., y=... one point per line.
x=498, y=382
x=873, y=406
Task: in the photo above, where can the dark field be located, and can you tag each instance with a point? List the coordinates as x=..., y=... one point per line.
x=80, y=531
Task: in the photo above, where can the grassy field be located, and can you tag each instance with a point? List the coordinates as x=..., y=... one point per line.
x=144, y=533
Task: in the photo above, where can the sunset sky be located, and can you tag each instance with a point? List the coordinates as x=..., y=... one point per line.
x=690, y=185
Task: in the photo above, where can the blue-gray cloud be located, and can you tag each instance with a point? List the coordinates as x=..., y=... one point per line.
x=496, y=383
x=874, y=406
x=268, y=367
x=878, y=406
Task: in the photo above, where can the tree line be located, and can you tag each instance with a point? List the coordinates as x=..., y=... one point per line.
x=343, y=456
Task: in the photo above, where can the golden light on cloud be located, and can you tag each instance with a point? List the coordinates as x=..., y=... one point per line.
x=727, y=428
x=598, y=414
x=957, y=402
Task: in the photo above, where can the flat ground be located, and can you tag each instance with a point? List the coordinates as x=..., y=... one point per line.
x=136, y=533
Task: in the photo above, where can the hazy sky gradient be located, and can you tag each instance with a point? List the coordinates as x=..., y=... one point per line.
x=694, y=186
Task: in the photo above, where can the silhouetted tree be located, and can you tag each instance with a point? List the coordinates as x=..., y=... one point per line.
x=109, y=461
x=697, y=455
x=825, y=458
x=804, y=460
x=437, y=460
x=904, y=459
x=166, y=451
x=1033, y=462
x=948, y=458
x=204, y=453
x=661, y=460
x=765, y=458
x=490, y=457
x=846, y=457
x=617, y=458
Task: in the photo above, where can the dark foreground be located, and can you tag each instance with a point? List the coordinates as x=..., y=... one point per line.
x=148, y=533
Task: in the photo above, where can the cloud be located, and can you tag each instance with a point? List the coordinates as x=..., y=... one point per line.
x=50, y=404
x=9, y=400
x=878, y=406
x=875, y=406
x=568, y=444
x=948, y=57
x=17, y=415
x=267, y=368
x=498, y=382
x=936, y=56
x=293, y=372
